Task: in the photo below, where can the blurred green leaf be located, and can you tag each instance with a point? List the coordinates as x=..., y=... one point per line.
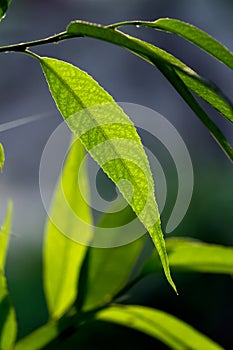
x=38, y=339
x=8, y=325
x=106, y=270
x=112, y=140
x=62, y=256
x=2, y=157
x=4, y=4
x=202, y=87
x=187, y=255
x=4, y=235
x=158, y=324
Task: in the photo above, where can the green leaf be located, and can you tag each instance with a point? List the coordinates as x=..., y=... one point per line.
x=38, y=339
x=188, y=32
x=178, y=84
x=197, y=37
x=62, y=256
x=4, y=4
x=112, y=140
x=2, y=157
x=8, y=325
x=4, y=236
x=187, y=255
x=107, y=269
x=170, y=330
x=202, y=87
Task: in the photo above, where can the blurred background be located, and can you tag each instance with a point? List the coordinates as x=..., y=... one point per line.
x=205, y=301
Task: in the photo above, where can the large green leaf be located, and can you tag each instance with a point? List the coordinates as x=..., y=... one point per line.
x=2, y=157
x=107, y=269
x=187, y=255
x=62, y=256
x=205, y=89
x=173, y=332
x=112, y=140
x=4, y=4
x=8, y=325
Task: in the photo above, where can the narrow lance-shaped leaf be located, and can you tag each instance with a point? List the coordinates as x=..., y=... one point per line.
x=4, y=4
x=106, y=270
x=8, y=325
x=188, y=255
x=170, y=330
x=2, y=157
x=197, y=37
x=188, y=32
x=178, y=84
x=112, y=140
x=62, y=256
x=202, y=87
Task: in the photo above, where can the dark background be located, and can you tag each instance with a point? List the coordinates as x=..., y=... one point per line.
x=205, y=301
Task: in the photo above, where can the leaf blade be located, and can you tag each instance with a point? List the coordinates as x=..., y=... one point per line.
x=2, y=157
x=110, y=138
x=170, y=330
x=187, y=255
x=109, y=268
x=197, y=37
x=4, y=4
x=8, y=325
x=63, y=256
x=178, y=84
x=4, y=235
x=203, y=88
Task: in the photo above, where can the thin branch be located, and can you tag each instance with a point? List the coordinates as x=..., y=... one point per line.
x=22, y=47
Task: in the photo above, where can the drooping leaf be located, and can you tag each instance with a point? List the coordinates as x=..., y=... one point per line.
x=8, y=325
x=187, y=255
x=178, y=84
x=170, y=330
x=106, y=270
x=62, y=255
x=112, y=140
x=188, y=32
x=4, y=4
x=202, y=87
x=2, y=157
